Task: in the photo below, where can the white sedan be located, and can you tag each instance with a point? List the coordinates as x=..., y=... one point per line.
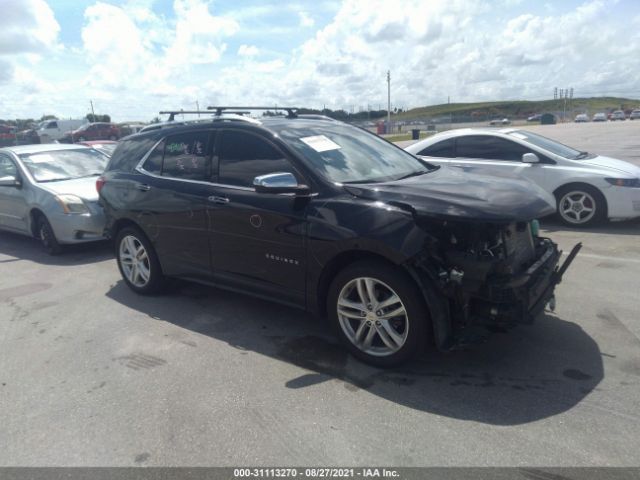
x=588, y=187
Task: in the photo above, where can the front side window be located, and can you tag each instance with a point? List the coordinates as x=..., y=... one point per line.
x=442, y=149
x=244, y=156
x=186, y=156
x=7, y=167
x=58, y=165
x=489, y=148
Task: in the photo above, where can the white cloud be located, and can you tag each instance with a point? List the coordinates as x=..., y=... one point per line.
x=198, y=34
x=27, y=26
x=248, y=51
x=306, y=20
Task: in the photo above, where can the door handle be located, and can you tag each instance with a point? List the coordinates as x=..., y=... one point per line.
x=218, y=200
x=143, y=187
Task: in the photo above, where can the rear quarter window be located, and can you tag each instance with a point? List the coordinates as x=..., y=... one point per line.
x=129, y=152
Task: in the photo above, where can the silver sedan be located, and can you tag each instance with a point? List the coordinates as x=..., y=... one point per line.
x=49, y=192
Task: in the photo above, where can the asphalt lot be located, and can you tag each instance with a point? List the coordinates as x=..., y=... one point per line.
x=93, y=375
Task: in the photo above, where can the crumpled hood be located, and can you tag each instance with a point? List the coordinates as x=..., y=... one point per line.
x=85, y=188
x=613, y=164
x=451, y=193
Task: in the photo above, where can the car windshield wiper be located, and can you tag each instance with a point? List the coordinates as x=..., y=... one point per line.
x=581, y=155
x=414, y=174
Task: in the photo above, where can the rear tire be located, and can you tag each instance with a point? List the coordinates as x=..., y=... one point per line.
x=47, y=237
x=580, y=206
x=138, y=262
x=385, y=330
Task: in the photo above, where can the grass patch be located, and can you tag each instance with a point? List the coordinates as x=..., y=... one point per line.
x=403, y=137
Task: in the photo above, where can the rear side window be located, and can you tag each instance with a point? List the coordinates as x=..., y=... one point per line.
x=186, y=156
x=488, y=147
x=440, y=149
x=153, y=163
x=129, y=152
x=244, y=156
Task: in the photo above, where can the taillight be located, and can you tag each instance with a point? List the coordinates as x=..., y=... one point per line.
x=100, y=183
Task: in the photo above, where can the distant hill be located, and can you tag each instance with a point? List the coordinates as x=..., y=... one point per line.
x=518, y=108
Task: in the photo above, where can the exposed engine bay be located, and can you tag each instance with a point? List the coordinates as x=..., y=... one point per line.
x=493, y=275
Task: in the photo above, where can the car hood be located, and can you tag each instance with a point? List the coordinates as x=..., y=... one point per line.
x=85, y=188
x=614, y=164
x=452, y=194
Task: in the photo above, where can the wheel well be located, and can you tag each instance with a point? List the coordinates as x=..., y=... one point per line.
x=34, y=215
x=335, y=265
x=567, y=186
x=120, y=224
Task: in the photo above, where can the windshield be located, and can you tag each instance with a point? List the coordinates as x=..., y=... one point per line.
x=548, y=144
x=60, y=165
x=347, y=154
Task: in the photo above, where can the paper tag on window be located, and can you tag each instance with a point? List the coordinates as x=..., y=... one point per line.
x=41, y=158
x=320, y=143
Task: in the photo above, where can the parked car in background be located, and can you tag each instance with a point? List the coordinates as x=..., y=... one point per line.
x=28, y=137
x=53, y=130
x=618, y=115
x=331, y=218
x=635, y=114
x=599, y=117
x=48, y=192
x=581, y=117
x=534, y=118
x=7, y=135
x=105, y=146
x=500, y=121
x=130, y=128
x=93, y=131
x=587, y=187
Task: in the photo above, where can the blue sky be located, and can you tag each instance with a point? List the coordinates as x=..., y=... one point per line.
x=136, y=57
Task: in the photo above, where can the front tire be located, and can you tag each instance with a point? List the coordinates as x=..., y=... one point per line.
x=580, y=205
x=138, y=262
x=378, y=312
x=47, y=237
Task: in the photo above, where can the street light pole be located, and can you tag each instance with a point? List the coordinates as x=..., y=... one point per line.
x=388, y=101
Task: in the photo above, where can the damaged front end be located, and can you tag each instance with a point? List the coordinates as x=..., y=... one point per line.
x=491, y=276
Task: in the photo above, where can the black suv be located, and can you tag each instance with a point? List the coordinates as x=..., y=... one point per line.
x=327, y=217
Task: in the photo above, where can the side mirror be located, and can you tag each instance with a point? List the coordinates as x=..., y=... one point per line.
x=530, y=158
x=10, y=181
x=279, y=183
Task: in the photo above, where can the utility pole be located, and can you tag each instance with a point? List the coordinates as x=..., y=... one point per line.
x=198, y=108
x=92, y=112
x=388, y=101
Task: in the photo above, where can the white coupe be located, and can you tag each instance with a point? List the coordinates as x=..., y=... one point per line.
x=588, y=187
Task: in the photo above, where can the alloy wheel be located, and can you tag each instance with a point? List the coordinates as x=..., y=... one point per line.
x=372, y=316
x=577, y=207
x=134, y=260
